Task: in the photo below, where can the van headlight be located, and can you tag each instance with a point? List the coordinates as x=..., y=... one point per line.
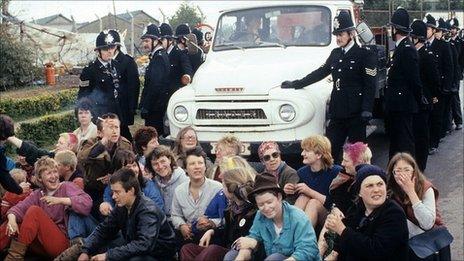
x=287, y=112
x=181, y=113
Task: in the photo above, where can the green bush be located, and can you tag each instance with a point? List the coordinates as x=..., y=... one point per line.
x=45, y=131
x=38, y=105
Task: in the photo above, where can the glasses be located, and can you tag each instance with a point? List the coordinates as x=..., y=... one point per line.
x=274, y=155
x=189, y=138
x=406, y=170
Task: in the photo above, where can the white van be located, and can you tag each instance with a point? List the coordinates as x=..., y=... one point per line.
x=237, y=89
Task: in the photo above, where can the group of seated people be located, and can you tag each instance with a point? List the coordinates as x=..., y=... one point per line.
x=99, y=197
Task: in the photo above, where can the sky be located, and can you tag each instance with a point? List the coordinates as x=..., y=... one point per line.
x=84, y=11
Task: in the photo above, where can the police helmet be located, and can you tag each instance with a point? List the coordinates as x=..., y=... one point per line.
x=454, y=23
x=419, y=29
x=442, y=25
x=165, y=30
x=430, y=21
x=116, y=36
x=104, y=40
x=400, y=20
x=182, y=30
x=342, y=22
x=151, y=31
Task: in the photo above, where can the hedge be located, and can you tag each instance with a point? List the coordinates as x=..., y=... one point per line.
x=46, y=130
x=36, y=106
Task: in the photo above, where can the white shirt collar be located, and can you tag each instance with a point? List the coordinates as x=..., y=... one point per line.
x=430, y=41
x=399, y=40
x=170, y=48
x=103, y=62
x=348, y=46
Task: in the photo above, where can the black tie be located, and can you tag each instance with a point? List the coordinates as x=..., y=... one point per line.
x=343, y=51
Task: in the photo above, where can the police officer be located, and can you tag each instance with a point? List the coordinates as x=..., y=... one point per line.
x=354, y=73
x=129, y=85
x=458, y=43
x=430, y=79
x=403, y=92
x=155, y=94
x=99, y=81
x=442, y=52
x=181, y=69
x=195, y=52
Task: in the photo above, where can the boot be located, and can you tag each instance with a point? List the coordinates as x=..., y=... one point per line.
x=16, y=252
x=73, y=252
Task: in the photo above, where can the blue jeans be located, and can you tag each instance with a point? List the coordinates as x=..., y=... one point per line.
x=80, y=226
x=232, y=254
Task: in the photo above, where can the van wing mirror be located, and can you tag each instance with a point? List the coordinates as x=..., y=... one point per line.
x=364, y=33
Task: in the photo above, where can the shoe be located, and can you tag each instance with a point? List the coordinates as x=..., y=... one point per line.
x=16, y=252
x=458, y=127
x=433, y=151
x=73, y=252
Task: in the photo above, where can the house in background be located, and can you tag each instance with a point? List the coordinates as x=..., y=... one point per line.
x=58, y=21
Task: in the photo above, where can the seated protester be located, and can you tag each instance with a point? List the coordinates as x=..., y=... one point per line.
x=145, y=140
x=341, y=195
x=415, y=194
x=214, y=213
x=87, y=129
x=67, y=168
x=9, y=200
x=186, y=139
x=66, y=141
x=145, y=229
x=282, y=229
x=43, y=214
x=191, y=198
x=315, y=178
x=269, y=154
x=126, y=158
x=6, y=131
x=215, y=243
x=228, y=145
x=167, y=175
x=21, y=163
x=376, y=229
x=95, y=158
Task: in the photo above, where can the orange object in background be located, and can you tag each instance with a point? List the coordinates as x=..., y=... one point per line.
x=50, y=74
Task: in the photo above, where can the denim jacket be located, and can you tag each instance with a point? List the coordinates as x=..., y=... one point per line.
x=296, y=239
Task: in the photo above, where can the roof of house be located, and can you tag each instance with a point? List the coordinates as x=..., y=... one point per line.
x=46, y=20
x=127, y=17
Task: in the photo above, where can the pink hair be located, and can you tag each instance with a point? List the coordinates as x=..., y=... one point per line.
x=355, y=150
x=267, y=145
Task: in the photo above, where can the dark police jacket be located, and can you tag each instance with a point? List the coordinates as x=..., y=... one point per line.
x=429, y=74
x=145, y=230
x=404, y=88
x=443, y=57
x=129, y=87
x=155, y=94
x=97, y=83
x=180, y=65
x=354, y=78
x=456, y=68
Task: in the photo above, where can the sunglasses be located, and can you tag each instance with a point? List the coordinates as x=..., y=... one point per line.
x=274, y=155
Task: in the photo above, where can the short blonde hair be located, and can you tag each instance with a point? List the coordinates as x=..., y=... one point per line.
x=319, y=144
x=232, y=142
x=19, y=175
x=239, y=183
x=43, y=164
x=234, y=162
x=67, y=158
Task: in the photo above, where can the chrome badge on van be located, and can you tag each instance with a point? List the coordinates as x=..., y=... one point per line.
x=229, y=89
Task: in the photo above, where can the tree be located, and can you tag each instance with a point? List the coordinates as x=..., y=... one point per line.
x=186, y=14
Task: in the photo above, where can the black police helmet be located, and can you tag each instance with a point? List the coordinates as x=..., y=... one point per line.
x=442, y=25
x=342, y=22
x=199, y=35
x=116, y=36
x=454, y=23
x=151, y=31
x=104, y=40
x=165, y=30
x=419, y=29
x=430, y=21
x=400, y=20
x=182, y=30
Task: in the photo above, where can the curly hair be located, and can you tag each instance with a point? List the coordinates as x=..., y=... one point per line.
x=157, y=153
x=231, y=141
x=319, y=144
x=142, y=137
x=43, y=164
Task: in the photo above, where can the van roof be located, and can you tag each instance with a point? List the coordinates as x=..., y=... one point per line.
x=258, y=4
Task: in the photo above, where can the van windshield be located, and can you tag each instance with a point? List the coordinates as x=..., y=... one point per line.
x=274, y=27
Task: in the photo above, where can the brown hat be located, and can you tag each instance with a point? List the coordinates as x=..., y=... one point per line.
x=264, y=182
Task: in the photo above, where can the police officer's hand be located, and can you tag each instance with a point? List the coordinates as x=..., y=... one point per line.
x=287, y=85
x=366, y=116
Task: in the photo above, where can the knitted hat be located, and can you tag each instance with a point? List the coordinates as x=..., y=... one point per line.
x=365, y=171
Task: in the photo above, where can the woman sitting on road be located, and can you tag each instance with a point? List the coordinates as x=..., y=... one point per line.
x=186, y=139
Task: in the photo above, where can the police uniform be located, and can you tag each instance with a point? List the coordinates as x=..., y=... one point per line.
x=354, y=77
x=196, y=56
x=403, y=92
x=430, y=79
x=99, y=81
x=129, y=87
x=155, y=94
x=443, y=57
x=455, y=102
